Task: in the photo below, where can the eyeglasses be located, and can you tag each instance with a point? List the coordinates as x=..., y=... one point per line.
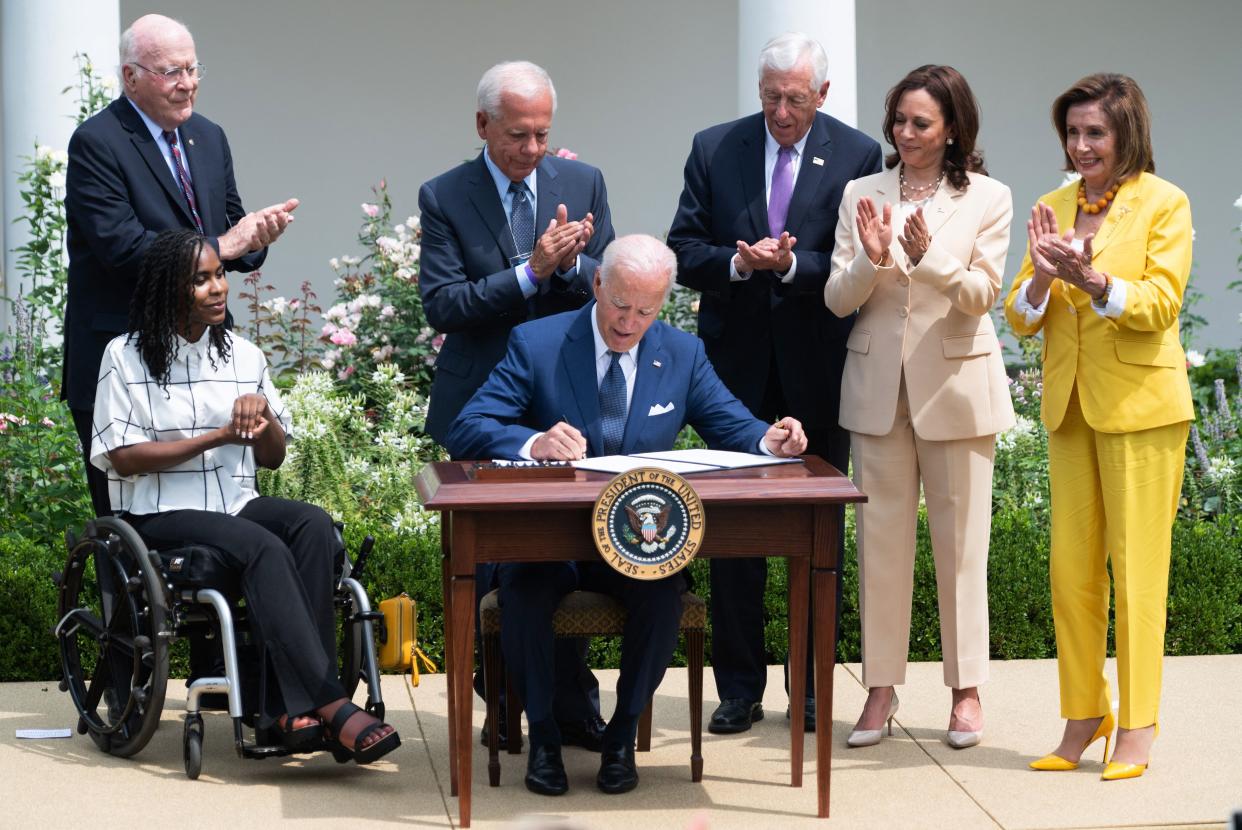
x=193, y=72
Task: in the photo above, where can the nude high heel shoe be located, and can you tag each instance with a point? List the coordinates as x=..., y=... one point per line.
x=1055, y=763
x=871, y=737
x=1117, y=771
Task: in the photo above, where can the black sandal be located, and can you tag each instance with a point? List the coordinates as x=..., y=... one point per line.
x=301, y=739
x=362, y=754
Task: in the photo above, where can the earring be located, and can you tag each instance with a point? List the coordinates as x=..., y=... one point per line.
x=950, y=141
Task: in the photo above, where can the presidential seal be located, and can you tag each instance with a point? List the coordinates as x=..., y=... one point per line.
x=648, y=523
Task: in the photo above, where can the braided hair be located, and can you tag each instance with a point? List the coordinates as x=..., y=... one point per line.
x=161, y=302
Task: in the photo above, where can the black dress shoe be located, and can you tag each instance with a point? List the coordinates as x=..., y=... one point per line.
x=808, y=711
x=735, y=715
x=617, y=772
x=588, y=734
x=502, y=739
x=545, y=772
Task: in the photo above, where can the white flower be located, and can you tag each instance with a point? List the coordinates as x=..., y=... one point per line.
x=1238, y=203
x=350, y=260
x=1220, y=469
x=334, y=264
x=388, y=311
x=108, y=84
x=56, y=180
x=415, y=223
x=43, y=152
x=1194, y=359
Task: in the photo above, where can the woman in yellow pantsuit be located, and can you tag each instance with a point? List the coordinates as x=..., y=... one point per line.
x=1106, y=291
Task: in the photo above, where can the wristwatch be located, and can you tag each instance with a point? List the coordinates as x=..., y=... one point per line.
x=1102, y=300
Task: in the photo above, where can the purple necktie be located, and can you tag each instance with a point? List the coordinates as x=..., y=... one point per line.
x=782, y=190
x=183, y=178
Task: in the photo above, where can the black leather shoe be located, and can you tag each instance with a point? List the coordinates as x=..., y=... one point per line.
x=808, y=711
x=588, y=734
x=502, y=738
x=545, y=772
x=735, y=715
x=617, y=772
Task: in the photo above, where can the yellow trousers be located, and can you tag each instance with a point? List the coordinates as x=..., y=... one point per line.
x=1114, y=498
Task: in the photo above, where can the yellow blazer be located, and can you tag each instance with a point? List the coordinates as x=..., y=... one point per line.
x=929, y=321
x=1130, y=372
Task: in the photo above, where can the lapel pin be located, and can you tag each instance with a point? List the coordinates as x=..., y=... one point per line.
x=817, y=160
x=656, y=363
x=190, y=141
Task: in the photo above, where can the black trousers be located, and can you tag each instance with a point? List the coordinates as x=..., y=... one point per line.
x=529, y=594
x=279, y=555
x=739, y=658
x=96, y=480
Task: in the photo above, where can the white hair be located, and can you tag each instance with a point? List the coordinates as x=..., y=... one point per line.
x=640, y=254
x=784, y=52
x=134, y=40
x=521, y=78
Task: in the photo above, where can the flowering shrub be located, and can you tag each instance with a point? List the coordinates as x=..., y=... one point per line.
x=356, y=453
x=378, y=317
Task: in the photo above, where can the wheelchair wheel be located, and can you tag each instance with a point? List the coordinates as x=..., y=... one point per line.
x=112, y=636
x=192, y=748
x=350, y=652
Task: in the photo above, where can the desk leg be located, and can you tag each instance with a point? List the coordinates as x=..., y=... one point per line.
x=449, y=663
x=799, y=596
x=462, y=648
x=824, y=601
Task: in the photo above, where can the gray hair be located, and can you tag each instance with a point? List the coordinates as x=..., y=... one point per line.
x=521, y=78
x=139, y=32
x=783, y=52
x=639, y=253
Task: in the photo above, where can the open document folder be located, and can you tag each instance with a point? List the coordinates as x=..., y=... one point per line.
x=682, y=462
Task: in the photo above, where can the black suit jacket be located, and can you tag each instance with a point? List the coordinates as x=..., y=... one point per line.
x=466, y=276
x=119, y=194
x=744, y=323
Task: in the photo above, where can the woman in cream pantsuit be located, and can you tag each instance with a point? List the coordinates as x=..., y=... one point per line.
x=1117, y=405
x=919, y=252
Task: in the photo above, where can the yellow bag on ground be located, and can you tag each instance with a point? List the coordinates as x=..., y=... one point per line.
x=399, y=649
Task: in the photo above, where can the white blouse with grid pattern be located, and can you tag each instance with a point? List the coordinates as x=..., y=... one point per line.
x=131, y=407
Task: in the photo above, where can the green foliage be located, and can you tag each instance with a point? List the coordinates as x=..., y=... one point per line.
x=1205, y=589
x=28, y=608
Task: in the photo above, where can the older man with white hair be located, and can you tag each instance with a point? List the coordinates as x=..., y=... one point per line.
x=146, y=164
x=607, y=379
x=512, y=235
x=754, y=233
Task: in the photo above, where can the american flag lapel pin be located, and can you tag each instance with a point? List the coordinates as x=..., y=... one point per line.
x=190, y=141
x=656, y=364
x=817, y=160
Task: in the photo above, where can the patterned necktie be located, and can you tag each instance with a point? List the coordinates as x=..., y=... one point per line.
x=183, y=178
x=782, y=191
x=521, y=220
x=612, y=405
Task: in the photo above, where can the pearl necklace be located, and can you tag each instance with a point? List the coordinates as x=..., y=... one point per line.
x=913, y=191
x=1099, y=204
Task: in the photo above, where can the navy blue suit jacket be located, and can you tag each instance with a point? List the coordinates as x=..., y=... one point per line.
x=548, y=374
x=119, y=194
x=744, y=323
x=466, y=276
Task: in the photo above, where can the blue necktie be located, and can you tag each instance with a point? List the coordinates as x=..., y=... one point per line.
x=612, y=406
x=521, y=220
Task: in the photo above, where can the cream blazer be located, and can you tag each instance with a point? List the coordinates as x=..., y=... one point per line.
x=1130, y=372
x=929, y=322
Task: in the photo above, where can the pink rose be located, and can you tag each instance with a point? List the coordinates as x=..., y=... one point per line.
x=566, y=153
x=48, y=422
x=370, y=209
x=343, y=337
x=345, y=373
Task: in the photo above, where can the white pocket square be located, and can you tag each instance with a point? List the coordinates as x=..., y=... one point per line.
x=657, y=409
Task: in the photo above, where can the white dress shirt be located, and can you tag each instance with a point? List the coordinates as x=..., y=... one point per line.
x=1111, y=310
x=131, y=407
x=157, y=133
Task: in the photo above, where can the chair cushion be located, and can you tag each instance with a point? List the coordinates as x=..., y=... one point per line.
x=590, y=614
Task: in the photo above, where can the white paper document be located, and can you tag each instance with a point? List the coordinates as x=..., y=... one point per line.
x=682, y=462
x=40, y=734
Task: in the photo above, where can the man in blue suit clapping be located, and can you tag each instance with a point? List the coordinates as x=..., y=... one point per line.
x=606, y=379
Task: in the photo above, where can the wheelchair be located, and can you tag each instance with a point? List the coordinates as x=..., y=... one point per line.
x=120, y=608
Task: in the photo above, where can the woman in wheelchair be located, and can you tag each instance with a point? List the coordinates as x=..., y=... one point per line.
x=184, y=411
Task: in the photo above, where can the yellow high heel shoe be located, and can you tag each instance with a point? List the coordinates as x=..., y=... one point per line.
x=1055, y=763
x=1117, y=771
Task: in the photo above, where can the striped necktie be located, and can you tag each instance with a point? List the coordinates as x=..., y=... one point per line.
x=183, y=178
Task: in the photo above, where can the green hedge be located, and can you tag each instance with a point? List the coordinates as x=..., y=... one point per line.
x=1205, y=595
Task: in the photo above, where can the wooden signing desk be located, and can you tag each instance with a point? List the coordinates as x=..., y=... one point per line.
x=790, y=510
